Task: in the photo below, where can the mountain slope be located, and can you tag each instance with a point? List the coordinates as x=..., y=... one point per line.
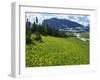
x=61, y=23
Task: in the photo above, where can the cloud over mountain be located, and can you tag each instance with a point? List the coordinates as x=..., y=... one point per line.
x=81, y=19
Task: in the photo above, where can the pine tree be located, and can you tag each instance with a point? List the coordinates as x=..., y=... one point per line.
x=28, y=32
x=37, y=33
x=33, y=27
x=28, y=27
x=37, y=20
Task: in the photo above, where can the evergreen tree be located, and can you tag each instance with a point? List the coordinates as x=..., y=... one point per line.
x=28, y=27
x=28, y=32
x=34, y=27
x=45, y=30
x=37, y=33
x=37, y=20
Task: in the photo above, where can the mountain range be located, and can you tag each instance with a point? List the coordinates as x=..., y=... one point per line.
x=65, y=25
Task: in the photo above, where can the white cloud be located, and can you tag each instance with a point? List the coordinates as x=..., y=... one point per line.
x=82, y=19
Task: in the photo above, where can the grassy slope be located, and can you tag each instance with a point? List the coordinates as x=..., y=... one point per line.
x=84, y=35
x=57, y=51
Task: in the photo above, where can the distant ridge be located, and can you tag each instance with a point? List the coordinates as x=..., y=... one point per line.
x=61, y=23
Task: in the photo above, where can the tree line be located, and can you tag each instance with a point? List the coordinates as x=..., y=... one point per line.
x=40, y=29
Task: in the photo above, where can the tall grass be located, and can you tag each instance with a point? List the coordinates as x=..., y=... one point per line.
x=54, y=51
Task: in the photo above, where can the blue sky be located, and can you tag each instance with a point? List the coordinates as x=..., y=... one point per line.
x=82, y=19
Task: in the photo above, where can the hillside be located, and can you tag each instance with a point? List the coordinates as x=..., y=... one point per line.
x=55, y=51
x=60, y=23
x=65, y=25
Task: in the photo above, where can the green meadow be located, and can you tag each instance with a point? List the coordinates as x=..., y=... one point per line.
x=54, y=51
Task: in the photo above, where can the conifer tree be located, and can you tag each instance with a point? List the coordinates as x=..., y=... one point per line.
x=28, y=32
x=37, y=33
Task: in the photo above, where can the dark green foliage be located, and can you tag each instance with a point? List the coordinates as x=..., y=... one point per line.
x=61, y=34
x=36, y=19
x=34, y=27
x=39, y=29
x=49, y=30
x=28, y=40
x=37, y=36
x=28, y=32
x=28, y=28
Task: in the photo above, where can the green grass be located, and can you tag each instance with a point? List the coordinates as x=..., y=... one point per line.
x=54, y=51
